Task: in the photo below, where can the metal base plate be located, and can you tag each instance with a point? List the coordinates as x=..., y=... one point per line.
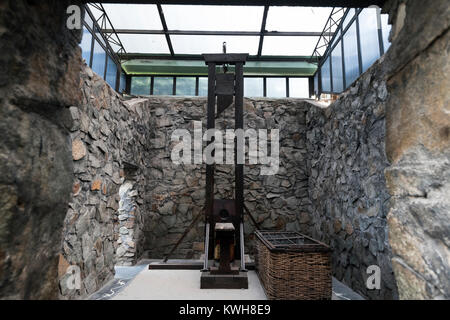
x=227, y=281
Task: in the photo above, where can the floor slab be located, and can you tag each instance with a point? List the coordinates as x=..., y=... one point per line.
x=184, y=285
x=139, y=283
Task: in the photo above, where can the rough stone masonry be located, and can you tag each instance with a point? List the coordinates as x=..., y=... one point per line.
x=130, y=198
x=347, y=188
x=110, y=148
x=40, y=64
x=418, y=147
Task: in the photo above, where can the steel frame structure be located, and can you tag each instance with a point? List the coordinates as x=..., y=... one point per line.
x=110, y=32
x=306, y=3
x=337, y=39
x=105, y=41
x=331, y=35
x=327, y=35
x=110, y=35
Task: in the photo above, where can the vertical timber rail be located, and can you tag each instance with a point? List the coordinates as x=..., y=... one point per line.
x=211, y=123
x=239, y=170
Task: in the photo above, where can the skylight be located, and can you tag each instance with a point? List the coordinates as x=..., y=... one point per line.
x=213, y=18
x=297, y=19
x=197, y=29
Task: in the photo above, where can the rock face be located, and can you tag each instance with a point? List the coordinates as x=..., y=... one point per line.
x=40, y=65
x=347, y=188
x=418, y=146
x=104, y=220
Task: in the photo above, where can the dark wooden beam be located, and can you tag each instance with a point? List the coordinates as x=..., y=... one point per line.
x=239, y=124
x=210, y=168
x=221, y=58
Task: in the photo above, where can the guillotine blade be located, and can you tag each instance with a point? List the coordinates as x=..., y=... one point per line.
x=223, y=102
x=224, y=91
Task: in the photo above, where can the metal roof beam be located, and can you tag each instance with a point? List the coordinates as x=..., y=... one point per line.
x=219, y=33
x=263, y=30
x=198, y=57
x=164, y=24
x=305, y=3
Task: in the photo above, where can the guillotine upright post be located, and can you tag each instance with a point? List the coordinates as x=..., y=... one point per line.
x=210, y=168
x=222, y=88
x=239, y=163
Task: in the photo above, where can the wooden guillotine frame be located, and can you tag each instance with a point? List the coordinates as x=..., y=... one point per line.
x=224, y=218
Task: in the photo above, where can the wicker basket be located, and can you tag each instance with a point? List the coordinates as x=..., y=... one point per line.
x=293, y=266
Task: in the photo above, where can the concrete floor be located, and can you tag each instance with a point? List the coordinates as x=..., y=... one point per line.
x=139, y=283
x=185, y=285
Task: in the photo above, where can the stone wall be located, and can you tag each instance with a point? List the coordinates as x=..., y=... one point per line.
x=109, y=147
x=128, y=196
x=349, y=199
x=418, y=147
x=39, y=75
x=175, y=194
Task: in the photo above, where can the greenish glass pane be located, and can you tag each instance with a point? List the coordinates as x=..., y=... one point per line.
x=316, y=84
x=203, y=86
x=351, y=55
x=299, y=87
x=253, y=87
x=99, y=60
x=326, y=79
x=370, y=47
x=163, y=86
x=185, y=86
x=123, y=82
x=338, y=80
x=111, y=73
x=276, y=87
x=140, y=86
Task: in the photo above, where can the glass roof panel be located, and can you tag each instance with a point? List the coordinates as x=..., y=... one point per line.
x=289, y=46
x=134, y=16
x=213, y=44
x=213, y=18
x=307, y=19
x=139, y=43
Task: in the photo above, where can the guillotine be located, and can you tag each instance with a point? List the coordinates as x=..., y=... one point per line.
x=224, y=224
